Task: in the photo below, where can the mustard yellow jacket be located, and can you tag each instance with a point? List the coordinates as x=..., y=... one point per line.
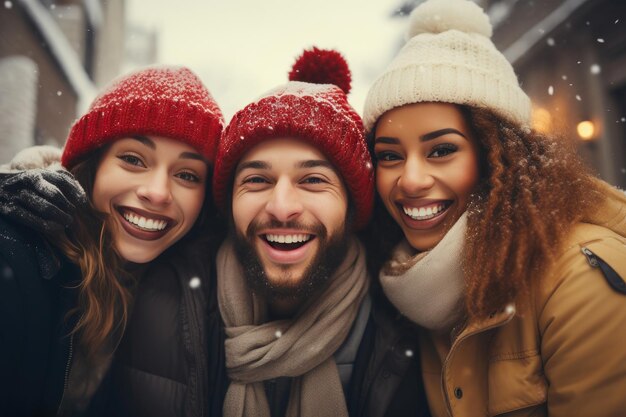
x=559, y=352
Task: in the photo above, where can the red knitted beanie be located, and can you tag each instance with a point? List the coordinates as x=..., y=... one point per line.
x=163, y=101
x=316, y=113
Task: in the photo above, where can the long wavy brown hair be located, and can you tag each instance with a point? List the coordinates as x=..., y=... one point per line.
x=519, y=214
x=104, y=291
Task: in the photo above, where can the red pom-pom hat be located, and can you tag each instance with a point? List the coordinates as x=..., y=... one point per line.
x=312, y=109
x=162, y=101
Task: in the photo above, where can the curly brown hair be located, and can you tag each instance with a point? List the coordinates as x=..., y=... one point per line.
x=518, y=216
x=522, y=210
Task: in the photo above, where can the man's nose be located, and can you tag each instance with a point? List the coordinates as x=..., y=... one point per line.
x=284, y=203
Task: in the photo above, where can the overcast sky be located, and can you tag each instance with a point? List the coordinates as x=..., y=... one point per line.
x=242, y=48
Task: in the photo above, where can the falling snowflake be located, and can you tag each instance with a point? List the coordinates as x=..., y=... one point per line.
x=278, y=334
x=578, y=62
x=53, y=6
x=600, y=40
x=194, y=283
x=616, y=21
x=8, y=4
x=551, y=90
x=623, y=119
x=7, y=273
x=59, y=93
x=578, y=97
x=550, y=42
x=595, y=69
x=564, y=77
x=409, y=353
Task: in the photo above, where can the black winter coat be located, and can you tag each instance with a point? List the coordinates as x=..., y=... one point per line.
x=170, y=361
x=35, y=295
x=387, y=381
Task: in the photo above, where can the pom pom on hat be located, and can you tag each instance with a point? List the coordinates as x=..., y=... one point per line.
x=322, y=66
x=437, y=16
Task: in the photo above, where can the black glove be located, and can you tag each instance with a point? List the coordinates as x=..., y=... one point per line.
x=42, y=199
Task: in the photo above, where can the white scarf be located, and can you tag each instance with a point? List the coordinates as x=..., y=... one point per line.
x=428, y=287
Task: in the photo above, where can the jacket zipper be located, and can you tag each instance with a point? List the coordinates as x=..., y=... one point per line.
x=68, y=367
x=457, y=343
x=591, y=257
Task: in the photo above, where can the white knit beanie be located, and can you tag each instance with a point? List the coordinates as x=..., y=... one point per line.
x=449, y=58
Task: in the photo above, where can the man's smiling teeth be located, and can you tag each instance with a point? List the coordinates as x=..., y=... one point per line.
x=287, y=238
x=144, y=223
x=423, y=213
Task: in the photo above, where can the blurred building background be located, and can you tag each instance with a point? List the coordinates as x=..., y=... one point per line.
x=570, y=57
x=54, y=56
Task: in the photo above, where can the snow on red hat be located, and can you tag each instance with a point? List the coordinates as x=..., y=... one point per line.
x=312, y=107
x=163, y=101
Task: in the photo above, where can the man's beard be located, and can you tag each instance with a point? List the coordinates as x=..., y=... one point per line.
x=330, y=253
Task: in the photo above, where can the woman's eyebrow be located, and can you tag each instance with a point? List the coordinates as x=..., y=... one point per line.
x=387, y=140
x=425, y=137
x=145, y=140
x=433, y=135
x=192, y=155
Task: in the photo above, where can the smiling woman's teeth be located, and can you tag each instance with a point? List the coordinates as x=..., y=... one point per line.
x=423, y=213
x=287, y=238
x=144, y=223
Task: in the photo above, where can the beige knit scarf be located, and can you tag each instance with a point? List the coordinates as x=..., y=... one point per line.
x=428, y=288
x=258, y=350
